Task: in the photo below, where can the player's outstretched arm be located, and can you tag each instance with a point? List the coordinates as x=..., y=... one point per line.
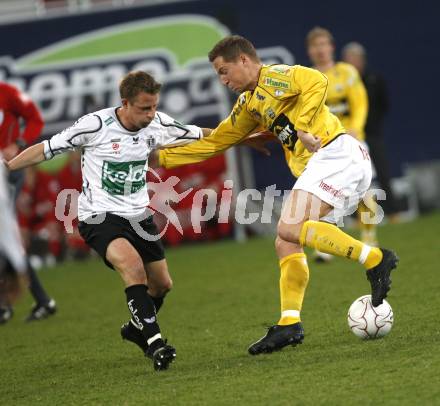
x=69, y=139
x=30, y=156
x=206, y=132
x=217, y=143
x=259, y=141
x=229, y=132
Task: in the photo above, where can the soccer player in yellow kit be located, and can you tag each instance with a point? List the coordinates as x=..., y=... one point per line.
x=347, y=99
x=332, y=167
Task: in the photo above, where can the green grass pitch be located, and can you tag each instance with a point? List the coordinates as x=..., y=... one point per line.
x=224, y=295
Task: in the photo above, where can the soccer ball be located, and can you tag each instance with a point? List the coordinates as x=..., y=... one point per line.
x=366, y=321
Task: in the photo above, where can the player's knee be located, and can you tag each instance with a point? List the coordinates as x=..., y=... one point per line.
x=166, y=286
x=160, y=289
x=284, y=248
x=289, y=232
x=280, y=245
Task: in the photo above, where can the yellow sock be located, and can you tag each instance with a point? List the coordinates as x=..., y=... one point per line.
x=328, y=238
x=293, y=283
x=368, y=231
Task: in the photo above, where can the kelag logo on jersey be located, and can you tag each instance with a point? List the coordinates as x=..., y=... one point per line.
x=122, y=178
x=81, y=74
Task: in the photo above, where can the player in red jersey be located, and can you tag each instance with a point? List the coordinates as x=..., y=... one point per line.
x=21, y=124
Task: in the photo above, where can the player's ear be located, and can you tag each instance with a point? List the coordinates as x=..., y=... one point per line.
x=124, y=102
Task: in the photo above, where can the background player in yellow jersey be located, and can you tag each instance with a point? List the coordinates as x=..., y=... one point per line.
x=347, y=99
x=332, y=169
x=378, y=106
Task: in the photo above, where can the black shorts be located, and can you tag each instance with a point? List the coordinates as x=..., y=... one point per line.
x=99, y=236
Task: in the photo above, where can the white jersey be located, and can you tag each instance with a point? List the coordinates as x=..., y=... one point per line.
x=114, y=160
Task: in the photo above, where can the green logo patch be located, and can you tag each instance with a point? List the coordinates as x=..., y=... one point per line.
x=119, y=178
x=276, y=83
x=109, y=120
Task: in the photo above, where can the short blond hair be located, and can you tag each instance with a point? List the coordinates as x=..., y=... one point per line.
x=319, y=32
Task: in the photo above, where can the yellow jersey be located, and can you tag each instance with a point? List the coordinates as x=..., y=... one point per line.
x=347, y=97
x=285, y=100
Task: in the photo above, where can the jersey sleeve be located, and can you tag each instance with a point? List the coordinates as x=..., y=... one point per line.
x=175, y=133
x=33, y=121
x=24, y=107
x=76, y=136
x=311, y=85
x=358, y=102
x=228, y=133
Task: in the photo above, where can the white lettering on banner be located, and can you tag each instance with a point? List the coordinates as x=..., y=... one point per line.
x=66, y=91
x=49, y=91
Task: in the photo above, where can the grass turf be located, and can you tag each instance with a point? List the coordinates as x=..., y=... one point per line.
x=224, y=295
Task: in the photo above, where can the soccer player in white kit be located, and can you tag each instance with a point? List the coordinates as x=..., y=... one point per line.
x=115, y=144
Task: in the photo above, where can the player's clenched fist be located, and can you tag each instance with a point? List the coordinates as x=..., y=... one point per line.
x=311, y=142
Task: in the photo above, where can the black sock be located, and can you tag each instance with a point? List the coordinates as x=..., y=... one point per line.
x=36, y=288
x=141, y=307
x=158, y=301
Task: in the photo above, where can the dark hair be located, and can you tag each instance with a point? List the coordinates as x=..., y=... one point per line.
x=319, y=32
x=231, y=47
x=136, y=82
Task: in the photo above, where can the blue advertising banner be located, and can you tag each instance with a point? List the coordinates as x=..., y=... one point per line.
x=71, y=65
